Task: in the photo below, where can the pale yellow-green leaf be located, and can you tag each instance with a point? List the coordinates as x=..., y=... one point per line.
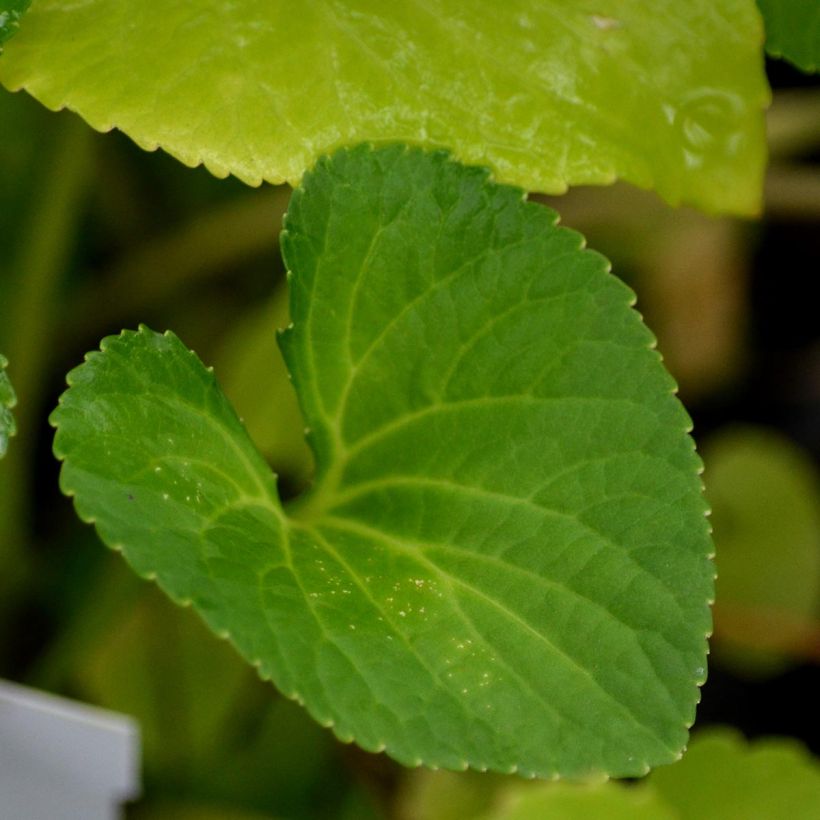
x=573, y=801
x=548, y=94
x=722, y=777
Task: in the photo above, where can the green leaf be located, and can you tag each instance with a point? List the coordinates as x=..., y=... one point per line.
x=191, y=695
x=793, y=31
x=435, y=794
x=504, y=560
x=10, y=13
x=765, y=497
x=439, y=795
x=7, y=400
x=723, y=777
x=571, y=801
x=548, y=94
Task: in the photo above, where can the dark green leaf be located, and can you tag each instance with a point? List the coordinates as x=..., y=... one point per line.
x=504, y=561
x=793, y=31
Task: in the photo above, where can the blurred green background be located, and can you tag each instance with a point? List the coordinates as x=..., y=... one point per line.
x=97, y=235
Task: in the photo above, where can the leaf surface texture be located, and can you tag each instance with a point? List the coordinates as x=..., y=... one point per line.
x=503, y=561
x=547, y=94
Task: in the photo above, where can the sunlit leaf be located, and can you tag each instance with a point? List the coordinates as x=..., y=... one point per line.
x=765, y=497
x=793, y=31
x=7, y=400
x=548, y=94
x=504, y=560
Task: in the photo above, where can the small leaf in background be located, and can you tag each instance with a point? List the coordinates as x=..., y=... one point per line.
x=724, y=777
x=503, y=561
x=793, y=31
x=441, y=795
x=765, y=497
x=567, y=801
x=721, y=777
x=548, y=94
x=10, y=13
x=427, y=794
x=7, y=400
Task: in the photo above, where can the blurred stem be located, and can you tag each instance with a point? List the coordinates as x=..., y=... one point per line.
x=793, y=192
x=44, y=246
x=793, y=123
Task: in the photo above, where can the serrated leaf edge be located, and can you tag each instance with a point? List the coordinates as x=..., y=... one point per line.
x=263, y=668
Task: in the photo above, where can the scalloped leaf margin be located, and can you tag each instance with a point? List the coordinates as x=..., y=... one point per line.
x=547, y=94
x=504, y=561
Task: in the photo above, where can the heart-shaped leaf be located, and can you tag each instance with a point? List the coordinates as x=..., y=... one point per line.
x=547, y=93
x=7, y=400
x=503, y=562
